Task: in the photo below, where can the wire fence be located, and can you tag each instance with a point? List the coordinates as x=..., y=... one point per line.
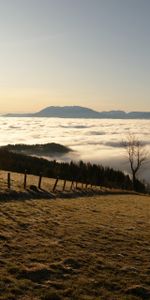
x=24, y=181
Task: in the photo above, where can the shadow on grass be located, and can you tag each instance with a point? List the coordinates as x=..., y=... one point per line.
x=35, y=193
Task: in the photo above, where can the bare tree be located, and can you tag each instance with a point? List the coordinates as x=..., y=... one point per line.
x=137, y=155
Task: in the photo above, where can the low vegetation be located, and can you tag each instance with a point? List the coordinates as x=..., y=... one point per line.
x=85, y=248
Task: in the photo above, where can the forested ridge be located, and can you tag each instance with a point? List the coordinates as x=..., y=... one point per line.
x=75, y=171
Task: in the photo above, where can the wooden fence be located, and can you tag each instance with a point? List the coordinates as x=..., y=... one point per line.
x=12, y=180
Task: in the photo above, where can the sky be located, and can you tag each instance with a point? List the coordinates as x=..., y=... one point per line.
x=93, y=53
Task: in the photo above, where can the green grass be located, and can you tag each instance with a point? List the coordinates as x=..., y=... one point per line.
x=84, y=248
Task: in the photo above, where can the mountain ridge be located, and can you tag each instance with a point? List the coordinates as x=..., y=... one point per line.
x=82, y=112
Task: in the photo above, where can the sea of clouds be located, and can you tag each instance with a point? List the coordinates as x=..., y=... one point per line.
x=94, y=140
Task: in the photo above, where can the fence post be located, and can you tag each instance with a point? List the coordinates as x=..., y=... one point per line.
x=71, y=185
x=8, y=181
x=40, y=180
x=64, y=185
x=25, y=179
x=55, y=184
x=76, y=184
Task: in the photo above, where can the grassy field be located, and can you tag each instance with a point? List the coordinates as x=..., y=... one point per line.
x=47, y=184
x=84, y=248
x=17, y=182
x=31, y=191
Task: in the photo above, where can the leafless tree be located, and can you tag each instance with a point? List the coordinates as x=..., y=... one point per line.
x=137, y=155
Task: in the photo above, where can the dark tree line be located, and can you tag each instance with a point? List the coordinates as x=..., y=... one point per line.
x=81, y=172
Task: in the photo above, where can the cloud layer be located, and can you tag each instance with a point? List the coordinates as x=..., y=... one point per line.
x=98, y=141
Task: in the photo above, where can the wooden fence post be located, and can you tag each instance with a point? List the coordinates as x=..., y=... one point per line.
x=25, y=180
x=55, y=184
x=40, y=180
x=71, y=185
x=8, y=181
x=64, y=185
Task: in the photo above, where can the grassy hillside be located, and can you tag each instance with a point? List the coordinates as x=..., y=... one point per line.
x=47, y=185
x=85, y=248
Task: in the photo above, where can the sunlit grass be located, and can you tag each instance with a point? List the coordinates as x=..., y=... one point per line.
x=47, y=184
x=84, y=248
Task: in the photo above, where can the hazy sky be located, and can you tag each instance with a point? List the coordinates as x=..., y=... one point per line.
x=93, y=53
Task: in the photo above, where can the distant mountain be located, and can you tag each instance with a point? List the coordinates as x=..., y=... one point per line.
x=61, y=112
x=67, y=112
x=18, y=115
x=83, y=112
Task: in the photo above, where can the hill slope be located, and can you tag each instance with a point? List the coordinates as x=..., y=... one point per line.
x=67, y=112
x=85, y=248
x=48, y=149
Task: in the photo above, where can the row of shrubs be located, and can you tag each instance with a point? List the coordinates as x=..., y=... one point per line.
x=81, y=172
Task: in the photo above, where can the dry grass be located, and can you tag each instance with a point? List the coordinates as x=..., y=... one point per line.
x=17, y=190
x=17, y=182
x=47, y=184
x=84, y=248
